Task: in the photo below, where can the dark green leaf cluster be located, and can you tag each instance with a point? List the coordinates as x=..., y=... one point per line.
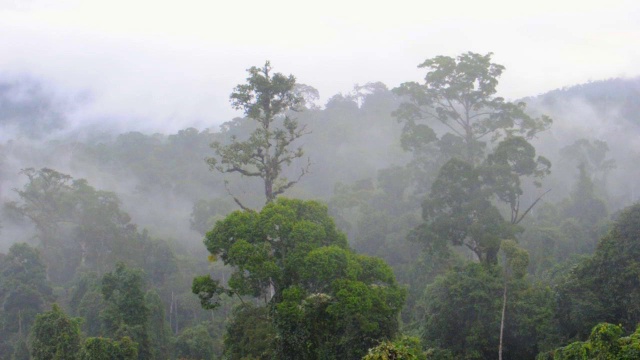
x=605, y=342
x=605, y=287
x=459, y=212
x=557, y=234
x=55, y=336
x=98, y=348
x=251, y=333
x=24, y=292
x=126, y=312
x=195, y=344
x=343, y=306
x=405, y=348
x=267, y=247
x=459, y=94
x=461, y=313
x=325, y=301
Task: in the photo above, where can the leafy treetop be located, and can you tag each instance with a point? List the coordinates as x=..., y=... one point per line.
x=460, y=94
x=267, y=99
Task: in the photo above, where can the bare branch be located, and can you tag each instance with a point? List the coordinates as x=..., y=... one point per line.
x=241, y=171
x=531, y=207
x=235, y=199
x=303, y=172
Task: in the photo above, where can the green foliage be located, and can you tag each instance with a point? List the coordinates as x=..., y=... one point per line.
x=24, y=292
x=156, y=257
x=559, y=233
x=156, y=161
x=267, y=248
x=516, y=259
x=346, y=302
x=461, y=313
x=98, y=348
x=23, y=265
x=208, y=291
x=406, y=348
x=605, y=286
x=126, y=312
x=86, y=301
x=123, y=291
x=205, y=214
x=159, y=334
x=21, y=351
x=378, y=215
x=513, y=159
x=305, y=297
x=55, y=336
x=460, y=94
x=194, y=343
x=46, y=200
x=583, y=204
x=605, y=343
x=592, y=156
x=78, y=226
x=251, y=334
x=266, y=98
x=324, y=301
x=439, y=354
x=459, y=212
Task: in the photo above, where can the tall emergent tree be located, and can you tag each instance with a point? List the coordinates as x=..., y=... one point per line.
x=459, y=95
x=267, y=99
x=321, y=300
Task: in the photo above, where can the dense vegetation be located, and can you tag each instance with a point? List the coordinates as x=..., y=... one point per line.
x=435, y=220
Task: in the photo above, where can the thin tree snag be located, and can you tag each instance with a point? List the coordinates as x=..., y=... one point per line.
x=518, y=220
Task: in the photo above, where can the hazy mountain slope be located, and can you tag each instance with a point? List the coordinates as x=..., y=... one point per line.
x=607, y=110
x=351, y=138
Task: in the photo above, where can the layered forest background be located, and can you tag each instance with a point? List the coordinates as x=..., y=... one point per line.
x=109, y=226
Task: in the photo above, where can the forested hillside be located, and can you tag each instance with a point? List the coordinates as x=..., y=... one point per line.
x=434, y=220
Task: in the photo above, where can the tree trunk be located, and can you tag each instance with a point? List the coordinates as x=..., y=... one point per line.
x=504, y=310
x=19, y=324
x=268, y=189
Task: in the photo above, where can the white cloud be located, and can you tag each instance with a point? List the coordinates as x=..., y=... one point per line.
x=176, y=62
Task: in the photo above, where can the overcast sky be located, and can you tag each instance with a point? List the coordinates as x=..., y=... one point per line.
x=175, y=62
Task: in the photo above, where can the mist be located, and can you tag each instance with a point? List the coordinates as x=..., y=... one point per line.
x=160, y=68
x=132, y=151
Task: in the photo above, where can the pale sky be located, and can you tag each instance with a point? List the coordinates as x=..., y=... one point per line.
x=169, y=64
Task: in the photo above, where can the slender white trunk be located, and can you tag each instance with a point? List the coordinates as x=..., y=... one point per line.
x=19, y=324
x=504, y=310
